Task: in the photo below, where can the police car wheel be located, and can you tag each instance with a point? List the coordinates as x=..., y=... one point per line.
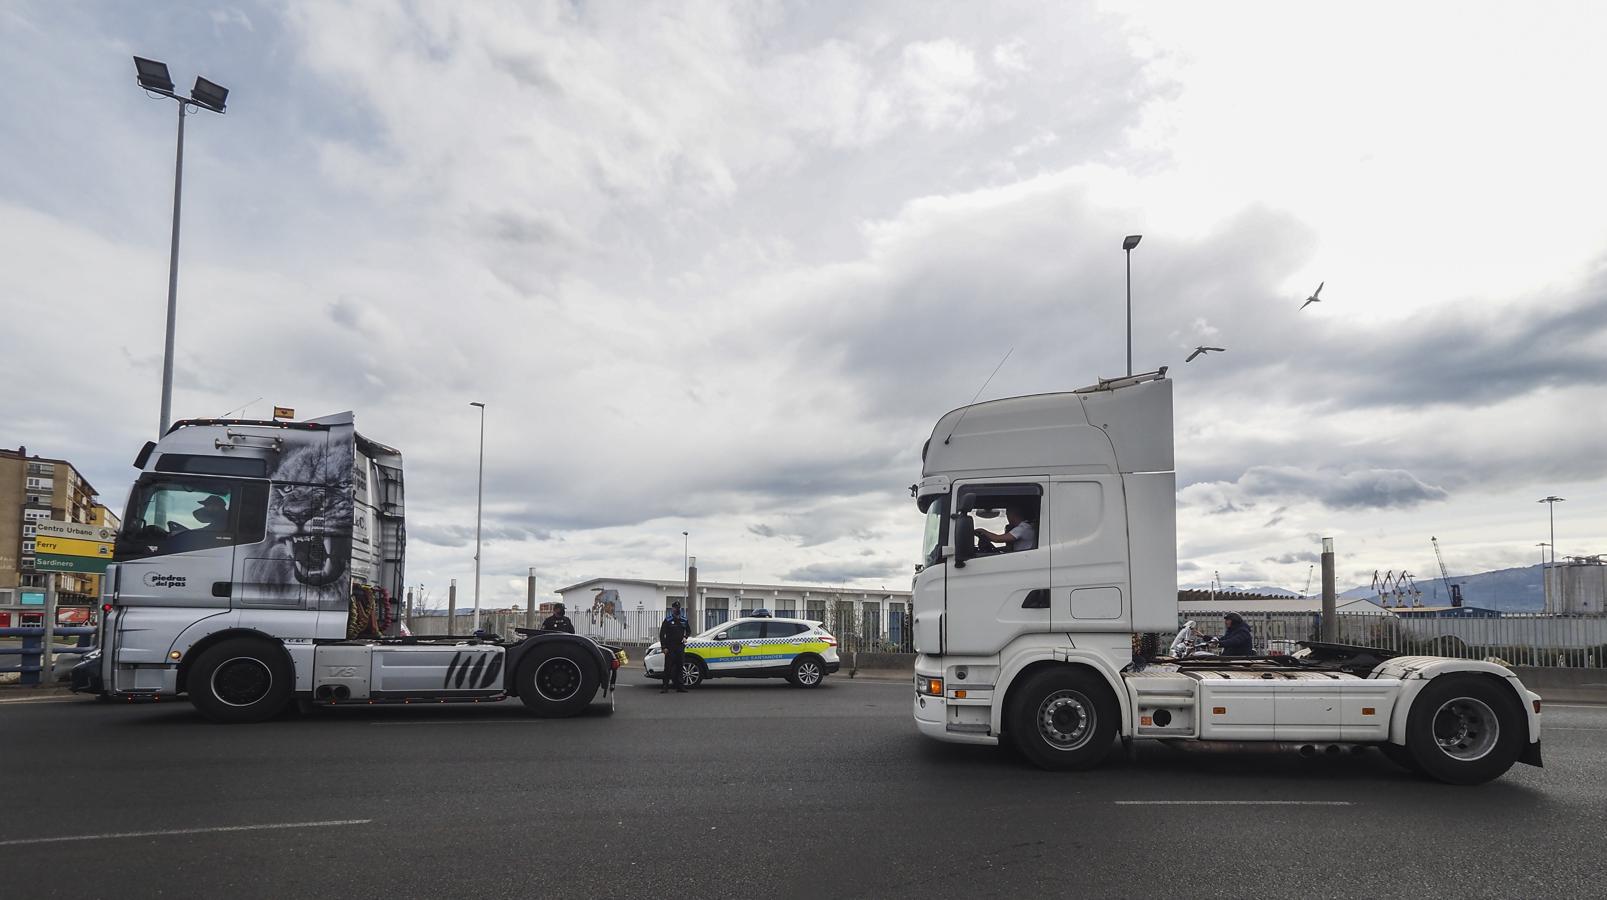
x=557, y=681
x=807, y=672
x=691, y=672
x=239, y=680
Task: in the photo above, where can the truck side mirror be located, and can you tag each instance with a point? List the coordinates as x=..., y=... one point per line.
x=964, y=539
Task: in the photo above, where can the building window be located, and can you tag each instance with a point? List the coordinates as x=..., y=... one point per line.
x=33, y=581
x=27, y=547
x=871, y=621
x=785, y=610
x=815, y=610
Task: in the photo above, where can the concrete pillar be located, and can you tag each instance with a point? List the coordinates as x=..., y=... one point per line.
x=1330, y=620
x=530, y=599
x=693, y=619
x=452, y=607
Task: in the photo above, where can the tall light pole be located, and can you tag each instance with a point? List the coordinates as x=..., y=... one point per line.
x=1545, y=571
x=479, y=498
x=1551, y=513
x=153, y=77
x=1128, y=243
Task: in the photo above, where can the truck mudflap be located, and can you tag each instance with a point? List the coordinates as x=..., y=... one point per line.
x=1531, y=756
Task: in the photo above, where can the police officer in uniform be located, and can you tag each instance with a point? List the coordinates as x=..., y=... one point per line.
x=558, y=621
x=672, y=635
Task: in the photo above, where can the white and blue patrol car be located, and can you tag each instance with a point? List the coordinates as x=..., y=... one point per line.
x=799, y=650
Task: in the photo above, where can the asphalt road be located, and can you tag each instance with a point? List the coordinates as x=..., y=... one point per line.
x=749, y=789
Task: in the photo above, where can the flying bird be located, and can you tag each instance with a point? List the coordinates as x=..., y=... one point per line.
x=1200, y=350
x=1313, y=298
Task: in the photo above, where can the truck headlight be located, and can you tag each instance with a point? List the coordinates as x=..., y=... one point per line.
x=931, y=687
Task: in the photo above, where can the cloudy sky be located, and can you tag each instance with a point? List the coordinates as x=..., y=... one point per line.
x=719, y=268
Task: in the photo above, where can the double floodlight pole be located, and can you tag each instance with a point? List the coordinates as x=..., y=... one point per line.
x=153, y=77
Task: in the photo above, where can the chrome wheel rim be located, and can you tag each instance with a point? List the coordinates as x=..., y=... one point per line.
x=808, y=673
x=1466, y=729
x=1066, y=720
x=241, y=681
x=557, y=679
x=690, y=674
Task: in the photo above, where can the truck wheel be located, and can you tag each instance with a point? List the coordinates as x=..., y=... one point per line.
x=1465, y=729
x=557, y=681
x=1062, y=719
x=807, y=672
x=692, y=671
x=240, y=680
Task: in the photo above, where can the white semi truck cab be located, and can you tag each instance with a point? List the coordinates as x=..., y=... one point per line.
x=1051, y=544
x=260, y=564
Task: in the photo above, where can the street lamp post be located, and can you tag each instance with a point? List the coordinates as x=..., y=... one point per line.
x=1128, y=243
x=153, y=77
x=479, y=498
x=1545, y=571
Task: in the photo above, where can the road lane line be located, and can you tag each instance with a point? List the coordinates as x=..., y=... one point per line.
x=135, y=834
x=1233, y=803
x=39, y=699
x=463, y=722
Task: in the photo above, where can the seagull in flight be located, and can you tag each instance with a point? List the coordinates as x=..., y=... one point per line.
x=1200, y=350
x=1313, y=298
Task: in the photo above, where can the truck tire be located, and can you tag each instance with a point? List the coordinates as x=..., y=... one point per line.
x=557, y=681
x=1062, y=719
x=1465, y=729
x=240, y=680
x=808, y=671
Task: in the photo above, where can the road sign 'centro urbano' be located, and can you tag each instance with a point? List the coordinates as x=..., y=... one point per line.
x=72, y=547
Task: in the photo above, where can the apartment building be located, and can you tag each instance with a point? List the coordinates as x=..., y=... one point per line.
x=34, y=488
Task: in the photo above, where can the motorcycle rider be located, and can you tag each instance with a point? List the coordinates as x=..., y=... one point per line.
x=558, y=621
x=1236, y=640
x=672, y=635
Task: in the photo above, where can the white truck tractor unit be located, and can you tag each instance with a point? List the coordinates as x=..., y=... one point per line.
x=1028, y=633
x=259, y=565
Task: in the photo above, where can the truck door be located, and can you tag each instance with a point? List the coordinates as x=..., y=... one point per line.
x=1088, y=546
x=177, y=546
x=1001, y=592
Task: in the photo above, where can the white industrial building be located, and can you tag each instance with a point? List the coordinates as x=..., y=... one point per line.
x=635, y=606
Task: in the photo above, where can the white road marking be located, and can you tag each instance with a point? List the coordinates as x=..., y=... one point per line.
x=462, y=722
x=136, y=834
x=1233, y=803
x=39, y=699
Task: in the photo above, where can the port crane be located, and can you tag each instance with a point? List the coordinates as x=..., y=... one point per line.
x=1454, y=591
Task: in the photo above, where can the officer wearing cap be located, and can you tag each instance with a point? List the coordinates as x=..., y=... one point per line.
x=672, y=635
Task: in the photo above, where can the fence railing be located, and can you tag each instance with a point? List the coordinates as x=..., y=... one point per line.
x=31, y=662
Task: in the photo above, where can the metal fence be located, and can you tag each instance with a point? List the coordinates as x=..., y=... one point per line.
x=1521, y=639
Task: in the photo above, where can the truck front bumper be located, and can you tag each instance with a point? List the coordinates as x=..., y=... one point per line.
x=932, y=718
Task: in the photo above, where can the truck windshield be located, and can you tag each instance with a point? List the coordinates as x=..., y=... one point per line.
x=937, y=509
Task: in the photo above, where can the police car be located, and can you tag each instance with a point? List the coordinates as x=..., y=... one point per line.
x=799, y=650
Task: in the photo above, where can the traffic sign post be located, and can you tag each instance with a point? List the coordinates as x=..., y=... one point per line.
x=47, y=662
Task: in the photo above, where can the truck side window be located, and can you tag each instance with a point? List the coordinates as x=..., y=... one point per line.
x=1007, y=516
x=176, y=514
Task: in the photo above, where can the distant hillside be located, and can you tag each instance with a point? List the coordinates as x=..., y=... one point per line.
x=1509, y=590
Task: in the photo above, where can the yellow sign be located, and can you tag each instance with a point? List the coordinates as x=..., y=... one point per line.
x=283, y=412
x=70, y=547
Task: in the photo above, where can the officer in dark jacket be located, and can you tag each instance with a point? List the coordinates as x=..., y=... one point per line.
x=672, y=635
x=1237, y=640
x=558, y=621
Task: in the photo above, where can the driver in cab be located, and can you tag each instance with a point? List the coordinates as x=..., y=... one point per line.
x=1019, y=533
